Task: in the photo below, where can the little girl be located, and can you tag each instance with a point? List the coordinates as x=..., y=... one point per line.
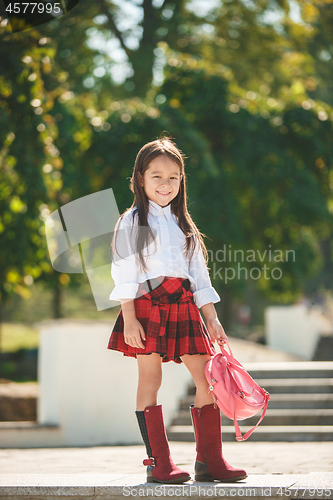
x=161, y=279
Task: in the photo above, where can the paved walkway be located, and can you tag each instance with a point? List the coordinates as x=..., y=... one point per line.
x=277, y=470
x=254, y=457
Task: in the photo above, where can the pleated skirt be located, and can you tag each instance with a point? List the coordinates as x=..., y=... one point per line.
x=170, y=318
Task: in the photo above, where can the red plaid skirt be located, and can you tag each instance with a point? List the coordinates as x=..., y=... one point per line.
x=171, y=321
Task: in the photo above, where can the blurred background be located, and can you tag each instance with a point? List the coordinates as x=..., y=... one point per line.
x=245, y=87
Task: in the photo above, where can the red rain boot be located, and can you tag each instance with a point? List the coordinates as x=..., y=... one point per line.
x=210, y=464
x=161, y=468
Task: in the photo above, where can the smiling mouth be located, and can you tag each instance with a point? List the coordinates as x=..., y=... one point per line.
x=164, y=194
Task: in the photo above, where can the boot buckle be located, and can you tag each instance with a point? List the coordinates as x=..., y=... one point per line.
x=149, y=461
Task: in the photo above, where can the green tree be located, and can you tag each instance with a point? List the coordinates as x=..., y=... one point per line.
x=248, y=100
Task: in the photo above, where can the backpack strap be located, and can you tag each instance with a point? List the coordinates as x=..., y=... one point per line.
x=239, y=436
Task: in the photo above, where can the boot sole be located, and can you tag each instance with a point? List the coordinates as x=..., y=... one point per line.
x=208, y=479
x=172, y=481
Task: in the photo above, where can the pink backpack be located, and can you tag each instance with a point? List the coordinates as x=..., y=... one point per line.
x=235, y=392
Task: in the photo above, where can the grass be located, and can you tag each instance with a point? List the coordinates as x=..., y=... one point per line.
x=20, y=315
x=77, y=303
x=16, y=336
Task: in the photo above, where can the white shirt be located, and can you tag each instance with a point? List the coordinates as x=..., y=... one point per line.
x=168, y=260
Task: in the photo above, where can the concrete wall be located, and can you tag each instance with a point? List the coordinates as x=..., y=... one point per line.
x=295, y=329
x=90, y=391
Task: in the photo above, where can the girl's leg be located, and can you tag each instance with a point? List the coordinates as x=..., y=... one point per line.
x=161, y=468
x=150, y=379
x=196, y=365
x=209, y=464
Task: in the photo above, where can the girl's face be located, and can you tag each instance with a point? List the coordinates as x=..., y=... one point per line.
x=161, y=180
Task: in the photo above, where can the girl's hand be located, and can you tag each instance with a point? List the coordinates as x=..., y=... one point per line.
x=134, y=333
x=215, y=330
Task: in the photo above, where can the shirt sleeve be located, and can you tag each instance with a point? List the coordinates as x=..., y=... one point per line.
x=204, y=293
x=124, y=270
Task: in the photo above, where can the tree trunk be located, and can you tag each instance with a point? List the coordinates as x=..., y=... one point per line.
x=327, y=250
x=0, y=327
x=225, y=310
x=142, y=62
x=57, y=301
x=1, y=338
x=142, y=59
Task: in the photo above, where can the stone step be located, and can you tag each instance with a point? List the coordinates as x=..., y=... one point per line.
x=297, y=385
x=300, y=409
x=298, y=369
x=284, y=401
x=301, y=401
x=272, y=417
x=117, y=486
x=289, y=433
x=288, y=373
x=291, y=385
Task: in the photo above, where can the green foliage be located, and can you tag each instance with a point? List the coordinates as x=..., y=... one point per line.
x=248, y=101
x=22, y=191
x=265, y=187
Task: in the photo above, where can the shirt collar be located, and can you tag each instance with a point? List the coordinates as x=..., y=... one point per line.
x=156, y=209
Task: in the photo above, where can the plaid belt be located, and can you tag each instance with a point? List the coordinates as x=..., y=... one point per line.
x=161, y=309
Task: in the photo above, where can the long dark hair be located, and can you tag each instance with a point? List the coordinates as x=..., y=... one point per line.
x=164, y=145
